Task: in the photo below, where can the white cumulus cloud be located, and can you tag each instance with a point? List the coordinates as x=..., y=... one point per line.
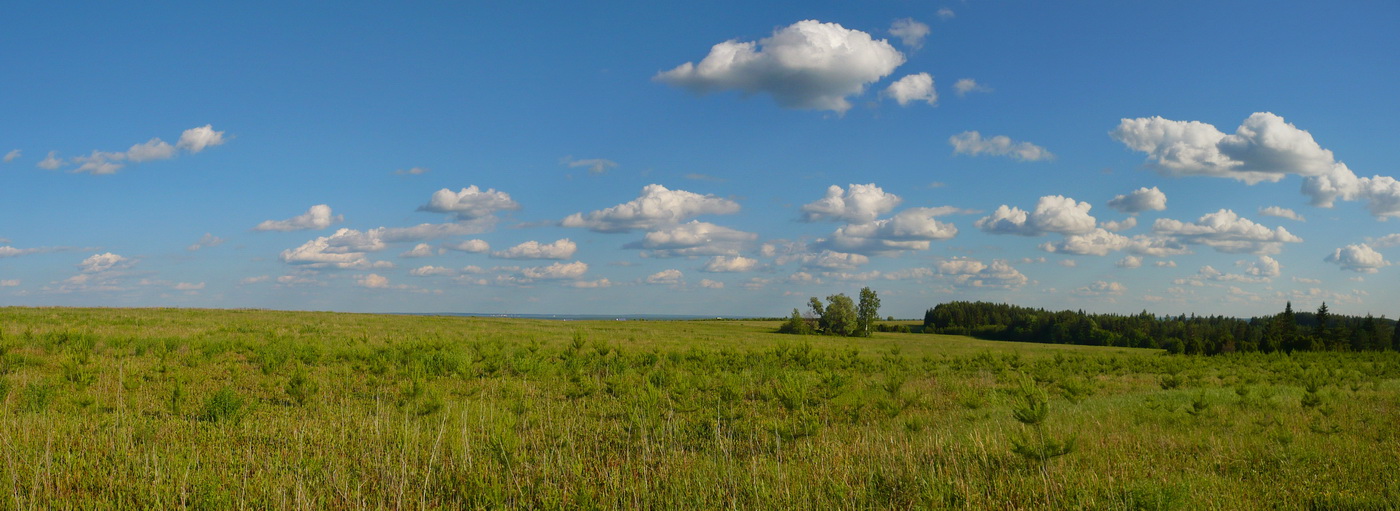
x=1360, y=258
x=971, y=273
x=372, y=281
x=721, y=264
x=560, y=249
x=971, y=143
x=556, y=271
x=912, y=88
x=1142, y=199
x=711, y=284
x=98, y=263
x=1281, y=213
x=1265, y=148
x=316, y=217
x=1227, y=232
x=693, y=238
x=856, y=204
x=471, y=203
x=473, y=246
x=1053, y=213
x=196, y=139
x=657, y=207
x=669, y=277
x=808, y=65
x=419, y=250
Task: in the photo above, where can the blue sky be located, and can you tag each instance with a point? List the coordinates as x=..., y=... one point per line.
x=703, y=158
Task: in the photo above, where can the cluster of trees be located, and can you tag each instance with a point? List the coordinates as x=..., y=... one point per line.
x=1285, y=331
x=839, y=316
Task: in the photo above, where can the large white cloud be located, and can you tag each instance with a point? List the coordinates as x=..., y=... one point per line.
x=911, y=229
x=316, y=217
x=560, y=249
x=1227, y=232
x=971, y=143
x=856, y=204
x=693, y=238
x=470, y=203
x=1142, y=199
x=912, y=88
x=656, y=208
x=1053, y=213
x=1360, y=258
x=808, y=65
x=1263, y=148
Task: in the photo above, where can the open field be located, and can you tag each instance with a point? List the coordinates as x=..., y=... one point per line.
x=151, y=408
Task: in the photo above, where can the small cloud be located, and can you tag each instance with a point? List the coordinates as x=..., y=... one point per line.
x=910, y=32
x=1130, y=262
x=1142, y=199
x=670, y=277
x=945, y=13
x=189, y=286
x=1102, y=288
x=317, y=217
x=1388, y=240
x=1281, y=213
x=9, y=283
x=1165, y=264
x=413, y=171
x=195, y=140
x=560, y=249
x=472, y=246
x=255, y=280
x=98, y=263
x=206, y=241
x=711, y=284
x=966, y=86
x=372, y=281
x=51, y=162
x=912, y=88
x=1068, y=263
x=12, y=155
x=808, y=65
x=419, y=250
x=721, y=264
x=971, y=143
x=594, y=165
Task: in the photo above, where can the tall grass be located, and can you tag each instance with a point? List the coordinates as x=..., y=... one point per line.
x=262, y=409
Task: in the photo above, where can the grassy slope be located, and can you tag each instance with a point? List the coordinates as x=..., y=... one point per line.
x=172, y=408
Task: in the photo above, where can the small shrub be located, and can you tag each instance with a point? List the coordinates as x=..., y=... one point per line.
x=224, y=406
x=301, y=388
x=37, y=396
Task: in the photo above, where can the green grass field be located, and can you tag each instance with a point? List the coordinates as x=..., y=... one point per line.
x=153, y=408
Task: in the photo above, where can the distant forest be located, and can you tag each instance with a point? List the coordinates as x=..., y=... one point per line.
x=1206, y=335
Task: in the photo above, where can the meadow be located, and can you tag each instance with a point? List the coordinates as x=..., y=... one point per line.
x=251, y=409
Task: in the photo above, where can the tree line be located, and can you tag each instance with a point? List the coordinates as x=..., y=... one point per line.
x=1207, y=335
